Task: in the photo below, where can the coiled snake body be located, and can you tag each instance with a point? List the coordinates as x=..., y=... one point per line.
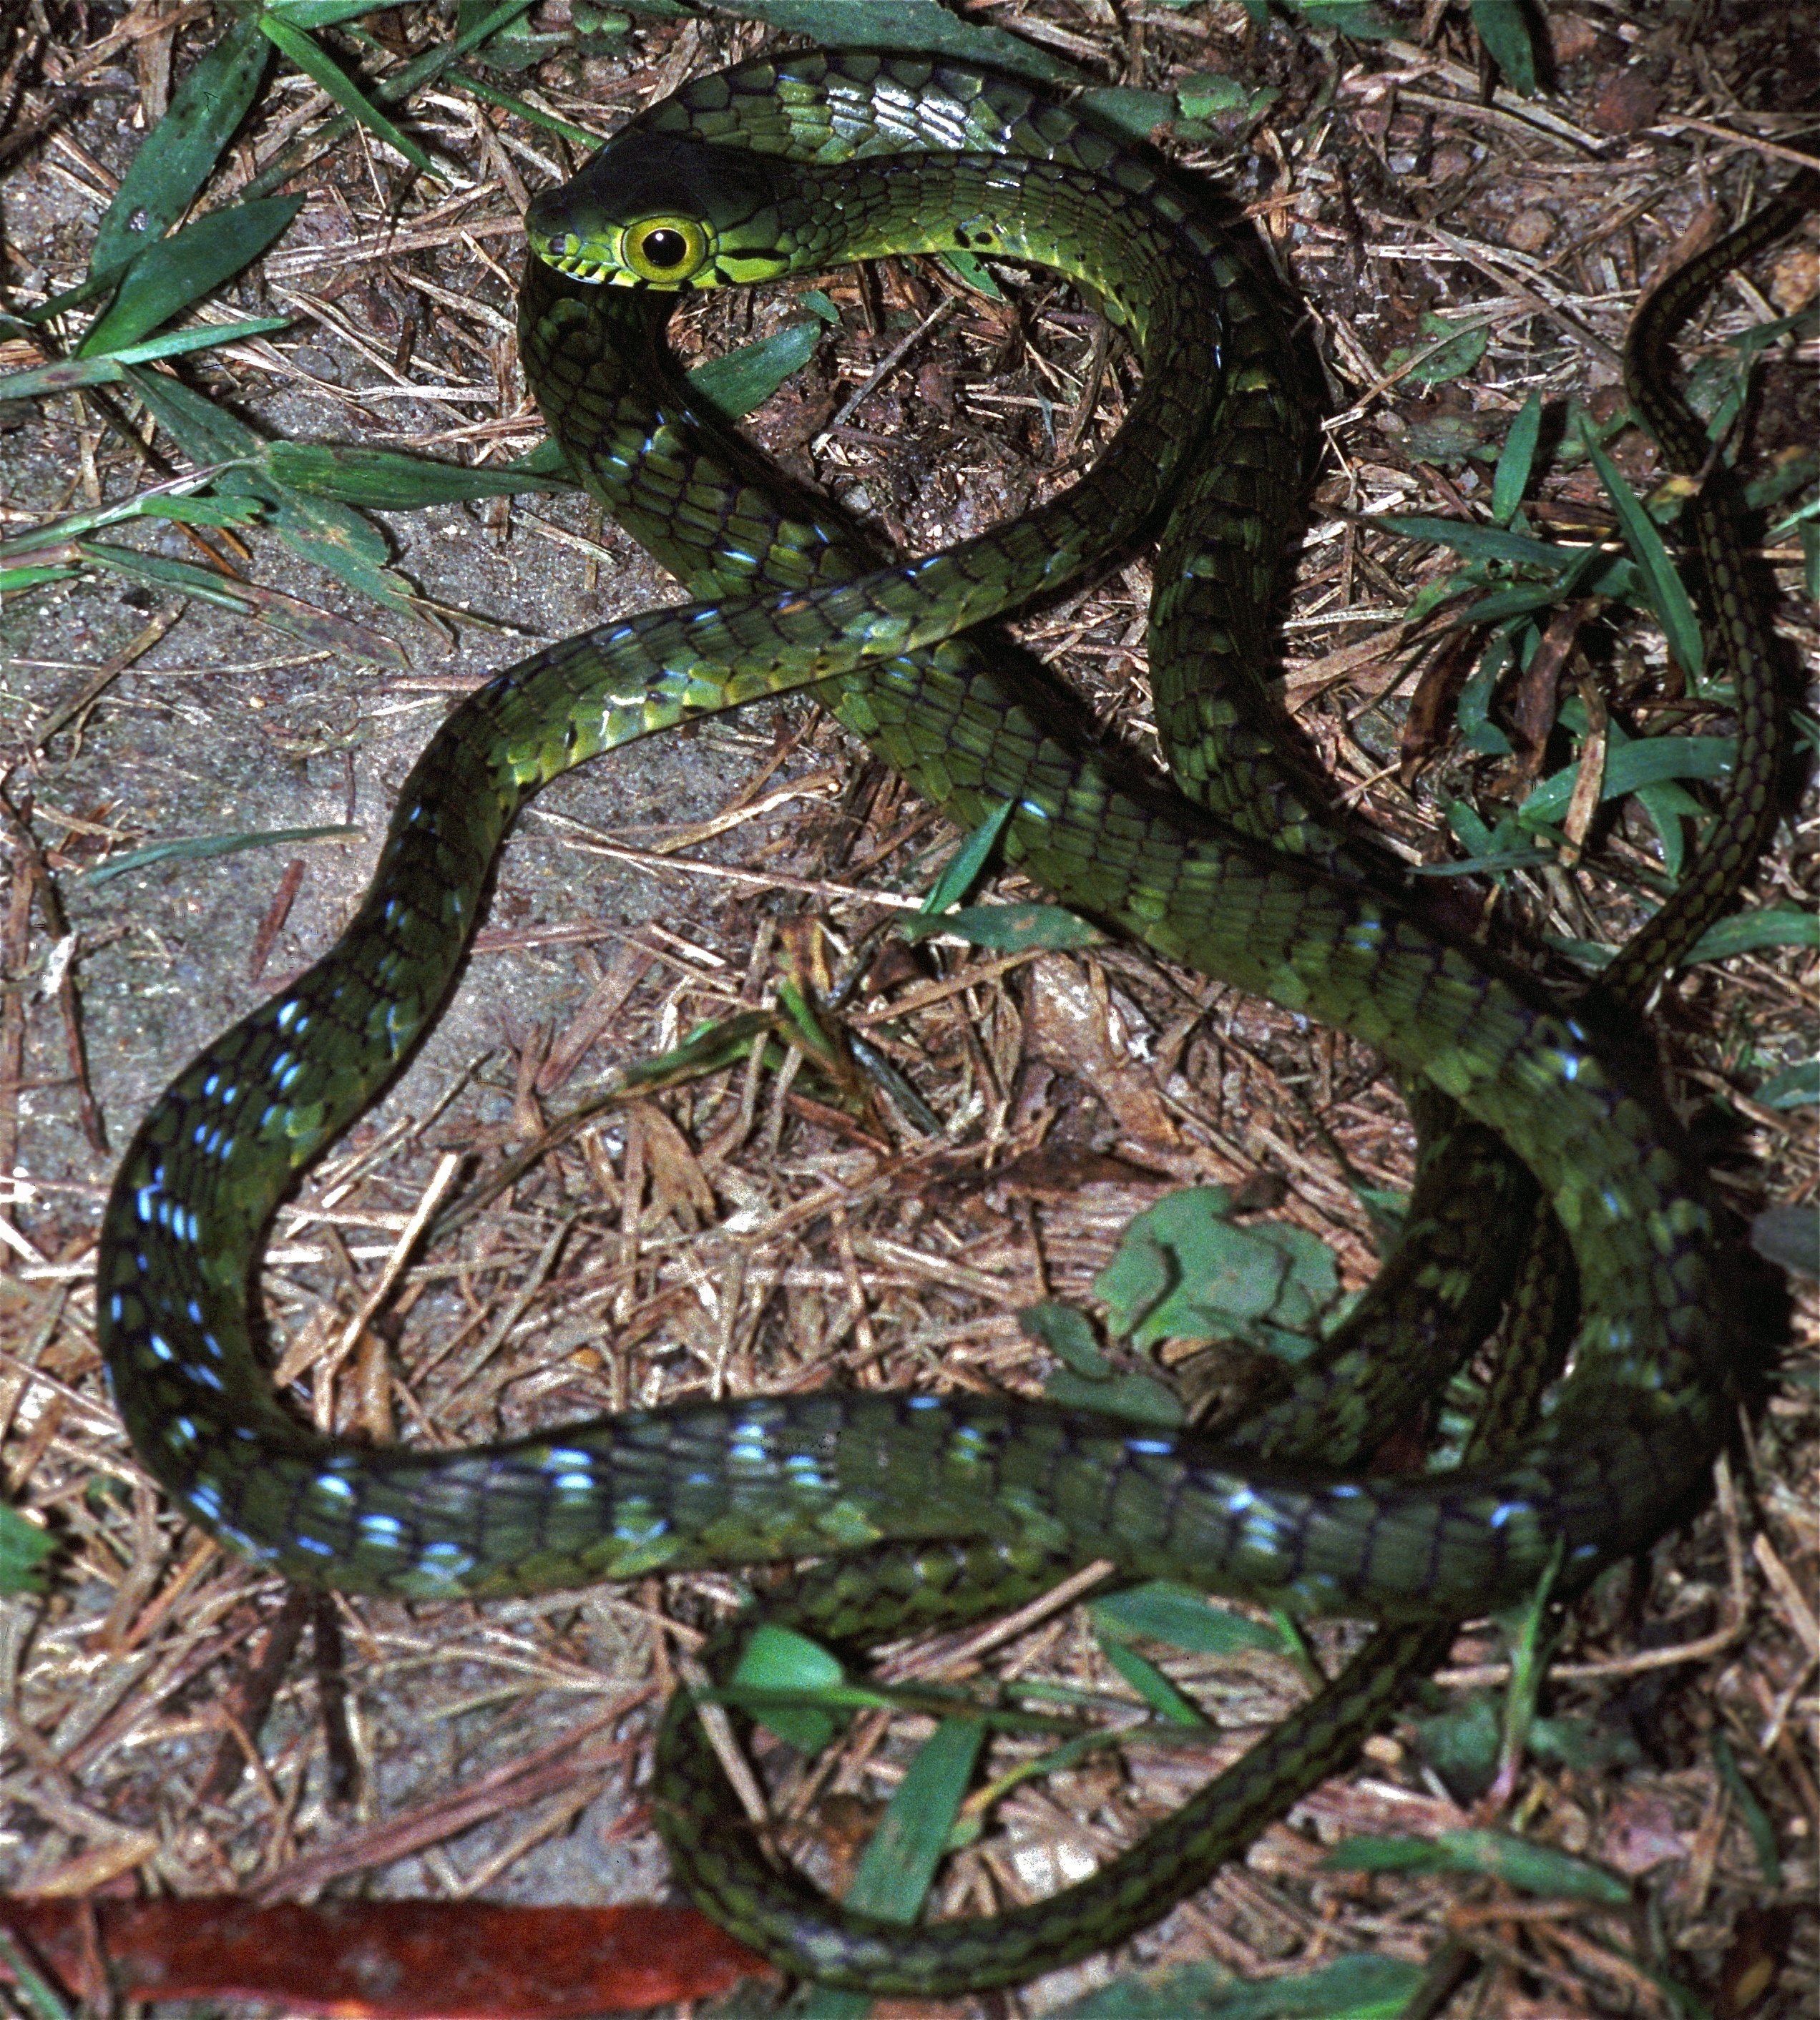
x=795, y=164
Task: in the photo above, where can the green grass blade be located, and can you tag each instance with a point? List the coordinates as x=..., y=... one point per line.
x=1668, y=594
x=969, y=862
x=199, y=847
x=177, y=158
x=1516, y=460
x=898, y=1864
x=1747, y=932
x=1504, y=27
x=390, y=480
x=177, y=272
x=316, y=63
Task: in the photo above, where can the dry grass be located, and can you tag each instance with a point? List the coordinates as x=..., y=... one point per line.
x=741, y=1233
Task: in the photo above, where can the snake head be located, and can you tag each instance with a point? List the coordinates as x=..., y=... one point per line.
x=652, y=211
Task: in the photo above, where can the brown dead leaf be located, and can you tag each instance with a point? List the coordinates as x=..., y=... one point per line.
x=1640, y=1834
x=679, y=1187
x=1629, y=102
x=1069, y=1023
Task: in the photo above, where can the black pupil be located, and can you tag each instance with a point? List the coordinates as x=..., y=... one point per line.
x=665, y=248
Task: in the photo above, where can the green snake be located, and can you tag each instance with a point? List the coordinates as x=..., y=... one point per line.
x=931, y=1505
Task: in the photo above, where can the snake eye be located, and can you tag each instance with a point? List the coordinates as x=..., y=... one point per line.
x=666, y=251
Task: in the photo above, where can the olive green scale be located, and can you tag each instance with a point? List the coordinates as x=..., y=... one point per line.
x=792, y=166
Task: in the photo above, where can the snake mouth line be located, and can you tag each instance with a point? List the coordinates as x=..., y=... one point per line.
x=592, y=271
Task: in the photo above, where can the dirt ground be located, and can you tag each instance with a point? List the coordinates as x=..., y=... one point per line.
x=740, y=1234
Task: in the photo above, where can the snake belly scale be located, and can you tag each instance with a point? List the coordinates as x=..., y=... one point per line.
x=795, y=165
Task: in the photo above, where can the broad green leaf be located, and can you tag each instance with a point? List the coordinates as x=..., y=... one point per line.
x=206, y=434
x=23, y=1548
x=332, y=535
x=1536, y=1869
x=775, y=1658
x=1212, y=94
x=1150, y=1684
x=1797, y=1087
x=1472, y=711
x=1768, y=926
x=1468, y=829
x=177, y=156
x=1456, y=356
x=1790, y=1237
x=1668, y=594
x=1146, y=1269
x=1504, y=27
x=1135, y=1396
x=1184, y=1270
x=706, y=1050
x=69, y=373
x=1164, y=1611
x=29, y=577
x=176, y=499
x=918, y=28
x=1505, y=605
x=747, y=378
x=900, y=1859
x=178, y=271
x=1485, y=543
x=202, y=511
x=1086, y=1380
x=1792, y=471
x=547, y=459
x=1357, y=18
x=1068, y=1335
x=390, y=480
x=336, y=538
x=1586, y=1745
x=973, y=273
x=1644, y=761
x=1122, y=109
x=1349, y=1987
x=1757, y=1826
x=1493, y=849
x=1007, y=929
x=968, y=862
x=1592, y=955
x=1670, y=807
x=308, y=14
x=1516, y=460
x=1448, y=436
x=1462, y=1743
